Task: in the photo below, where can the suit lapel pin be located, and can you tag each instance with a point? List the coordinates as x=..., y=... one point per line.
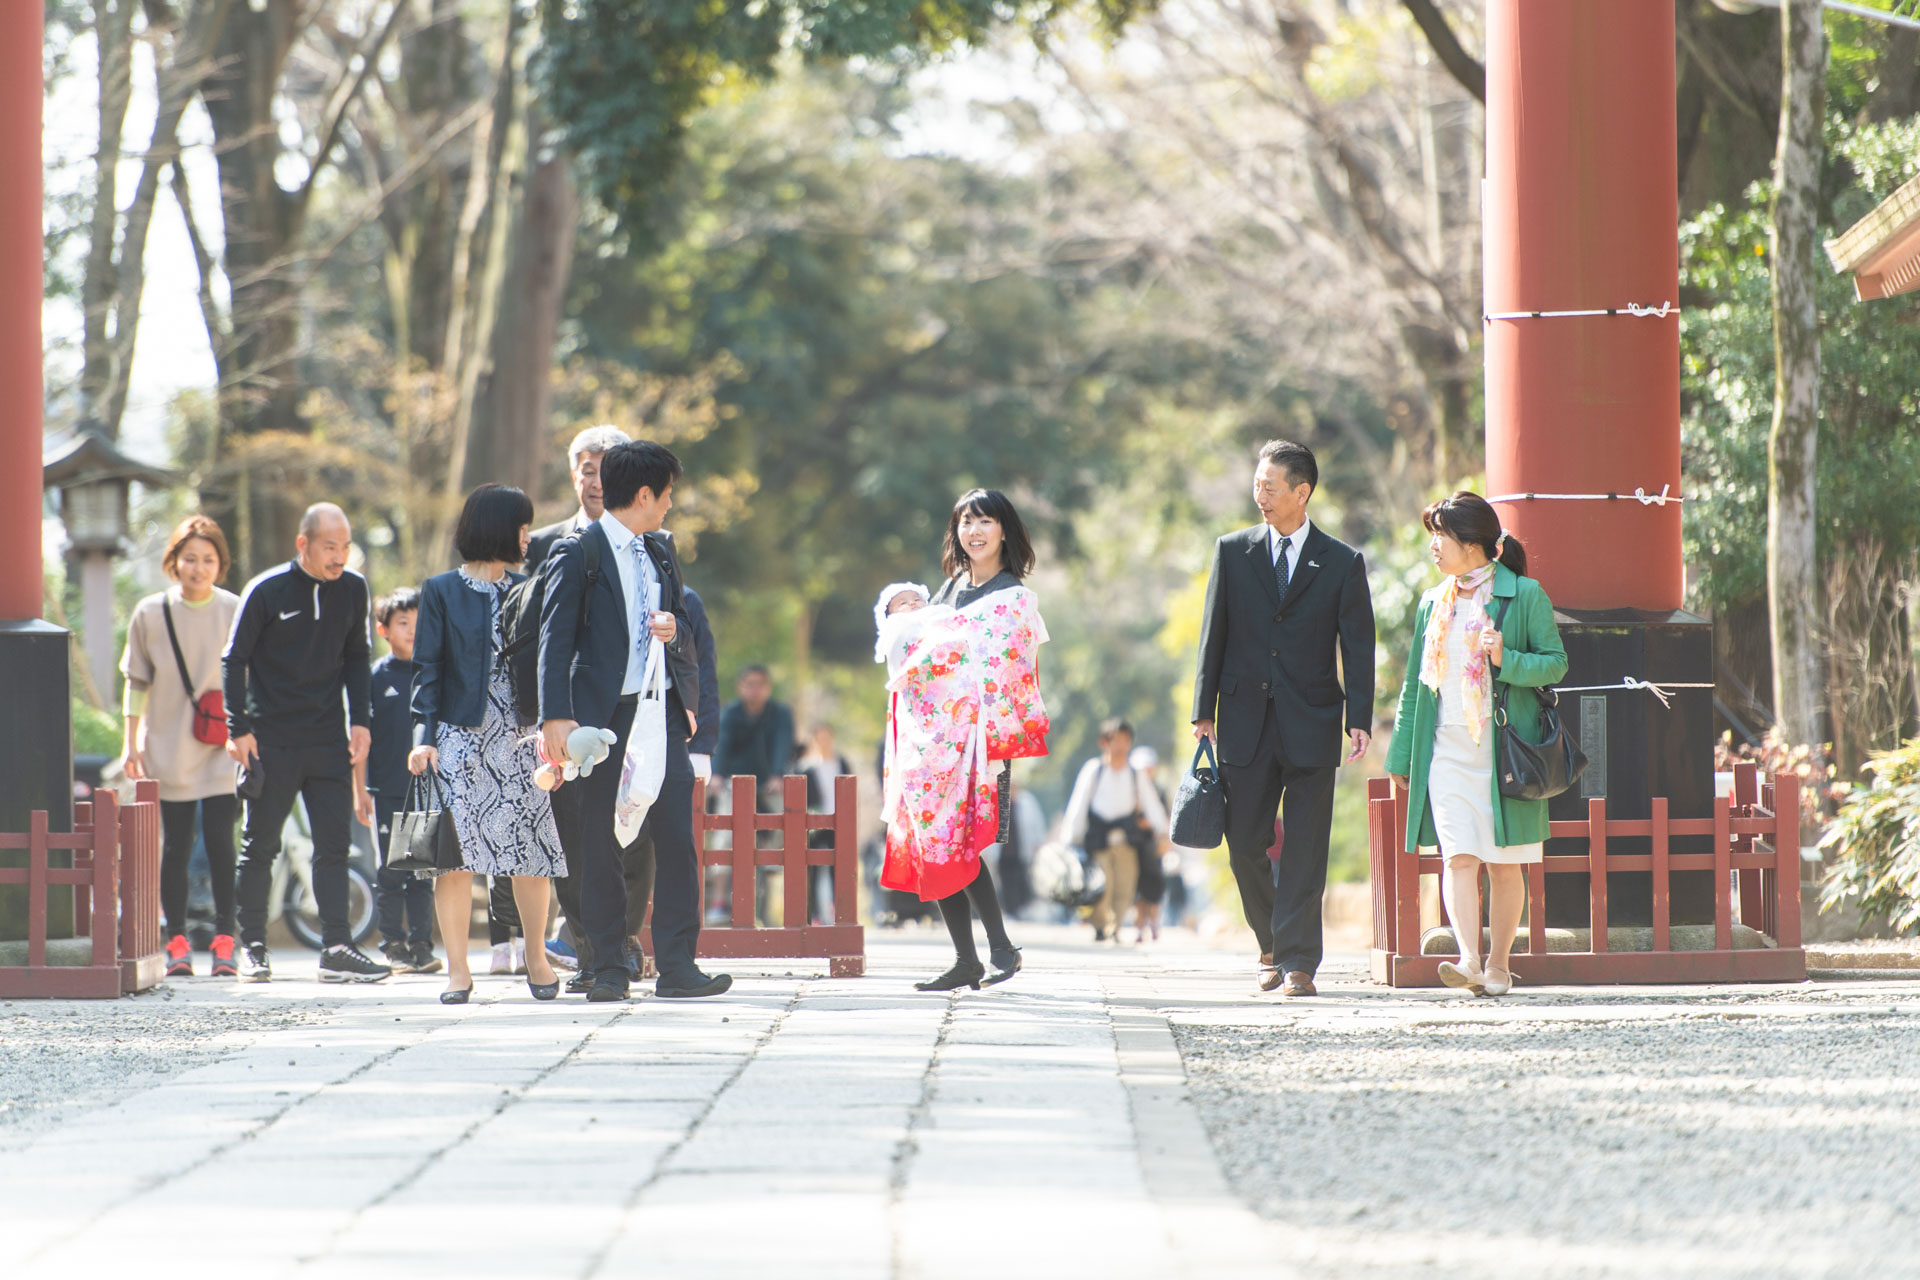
x=1313, y=564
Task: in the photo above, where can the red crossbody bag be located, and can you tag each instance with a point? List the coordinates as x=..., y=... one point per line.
x=209, y=708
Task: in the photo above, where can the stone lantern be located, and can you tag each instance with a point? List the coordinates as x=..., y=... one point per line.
x=93, y=480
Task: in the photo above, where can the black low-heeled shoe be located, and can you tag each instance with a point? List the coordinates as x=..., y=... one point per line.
x=961, y=975
x=1005, y=965
x=456, y=997
x=544, y=990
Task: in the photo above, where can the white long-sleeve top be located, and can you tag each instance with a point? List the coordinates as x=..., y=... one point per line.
x=1112, y=794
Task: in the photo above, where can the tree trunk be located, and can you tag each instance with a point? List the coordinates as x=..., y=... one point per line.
x=113, y=38
x=1792, y=572
x=512, y=437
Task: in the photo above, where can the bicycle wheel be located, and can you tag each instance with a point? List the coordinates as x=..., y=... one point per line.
x=303, y=920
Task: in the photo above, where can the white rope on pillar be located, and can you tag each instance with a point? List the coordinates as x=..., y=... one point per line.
x=1660, y=312
x=1639, y=495
x=1660, y=689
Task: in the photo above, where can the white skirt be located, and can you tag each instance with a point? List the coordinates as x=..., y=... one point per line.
x=1460, y=792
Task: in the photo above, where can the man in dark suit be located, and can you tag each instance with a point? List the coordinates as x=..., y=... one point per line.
x=1283, y=599
x=595, y=631
x=583, y=465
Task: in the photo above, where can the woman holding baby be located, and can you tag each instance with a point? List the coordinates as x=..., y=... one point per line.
x=963, y=675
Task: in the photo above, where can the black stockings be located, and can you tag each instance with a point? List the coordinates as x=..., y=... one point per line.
x=954, y=909
x=216, y=814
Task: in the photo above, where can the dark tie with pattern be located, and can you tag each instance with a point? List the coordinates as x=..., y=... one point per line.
x=1280, y=568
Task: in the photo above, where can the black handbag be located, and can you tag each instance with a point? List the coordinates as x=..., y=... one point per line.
x=1534, y=770
x=423, y=838
x=1200, y=804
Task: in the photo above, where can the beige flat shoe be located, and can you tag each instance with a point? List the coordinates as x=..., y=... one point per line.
x=1461, y=976
x=1497, y=986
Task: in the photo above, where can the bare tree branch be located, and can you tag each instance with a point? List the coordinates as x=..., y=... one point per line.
x=1461, y=65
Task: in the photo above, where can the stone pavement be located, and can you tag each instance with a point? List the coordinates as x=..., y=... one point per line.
x=800, y=1126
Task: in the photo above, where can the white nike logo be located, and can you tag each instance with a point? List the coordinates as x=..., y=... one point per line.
x=393, y=693
x=291, y=613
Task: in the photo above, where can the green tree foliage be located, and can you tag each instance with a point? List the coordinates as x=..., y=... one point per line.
x=1875, y=843
x=624, y=77
x=1869, y=455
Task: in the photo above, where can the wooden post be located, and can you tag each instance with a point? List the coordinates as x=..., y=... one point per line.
x=1662, y=895
x=1597, y=874
x=846, y=850
x=106, y=877
x=1722, y=863
x=1786, y=840
x=746, y=860
x=793, y=856
x=1537, y=909
x=37, y=889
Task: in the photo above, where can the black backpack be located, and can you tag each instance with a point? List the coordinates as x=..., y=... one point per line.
x=520, y=627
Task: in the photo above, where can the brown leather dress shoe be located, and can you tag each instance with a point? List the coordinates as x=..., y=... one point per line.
x=1299, y=983
x=1269, y=976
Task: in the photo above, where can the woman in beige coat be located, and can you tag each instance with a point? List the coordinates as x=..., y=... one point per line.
x=174, y=643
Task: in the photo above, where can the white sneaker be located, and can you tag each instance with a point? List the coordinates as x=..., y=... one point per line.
x=519, y=946
x=502, y=960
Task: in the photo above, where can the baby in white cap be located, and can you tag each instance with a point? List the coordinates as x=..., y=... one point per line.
x=901, y=616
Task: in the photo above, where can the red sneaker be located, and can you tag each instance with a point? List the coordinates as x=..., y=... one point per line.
x=223, y=966
x=179, y=957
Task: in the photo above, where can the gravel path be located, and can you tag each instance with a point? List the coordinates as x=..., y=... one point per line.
x=1742, y=1133
x=62, y=1057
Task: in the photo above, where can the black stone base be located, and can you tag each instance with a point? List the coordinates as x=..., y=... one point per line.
x=1638, y=749
x=36, y=756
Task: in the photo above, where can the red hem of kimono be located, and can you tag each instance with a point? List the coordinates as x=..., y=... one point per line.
x=905, y=871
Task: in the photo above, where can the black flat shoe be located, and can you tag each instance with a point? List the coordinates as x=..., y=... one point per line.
x=580, y=983
x=693, y=987
x=1005, y=965
x=961, y=975
x=544, y=990
x=456, y=997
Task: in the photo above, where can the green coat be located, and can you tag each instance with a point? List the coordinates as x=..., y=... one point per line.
x=1533, y=657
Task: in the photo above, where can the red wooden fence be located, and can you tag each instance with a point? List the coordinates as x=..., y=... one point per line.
x=116, y=901
x=842, y=943
x=1756, y=834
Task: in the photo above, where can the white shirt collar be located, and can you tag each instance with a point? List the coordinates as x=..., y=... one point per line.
x=617, y=534
x=1297, y=539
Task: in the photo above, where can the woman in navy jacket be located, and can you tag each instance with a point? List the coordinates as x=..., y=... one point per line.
x=466, y=729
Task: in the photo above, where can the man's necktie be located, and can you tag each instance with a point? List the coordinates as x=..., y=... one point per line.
x=643, y=581
x=1280, y=568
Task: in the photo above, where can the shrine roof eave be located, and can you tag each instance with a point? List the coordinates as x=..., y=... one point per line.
x=1882, y=250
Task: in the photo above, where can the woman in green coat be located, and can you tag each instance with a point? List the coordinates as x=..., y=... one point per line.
x=1487, y=624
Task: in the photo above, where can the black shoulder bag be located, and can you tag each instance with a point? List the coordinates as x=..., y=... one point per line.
x=1533, y=770
x=423, y=837
x=1200, y=804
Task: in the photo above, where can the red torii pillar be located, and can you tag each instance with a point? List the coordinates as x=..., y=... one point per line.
x=1582, y=214
x=36, y=733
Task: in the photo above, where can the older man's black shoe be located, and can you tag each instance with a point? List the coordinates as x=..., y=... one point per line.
x=580, y=983
x=691, y=986
x=608, y=989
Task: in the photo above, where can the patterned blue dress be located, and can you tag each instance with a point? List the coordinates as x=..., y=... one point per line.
x=504, y=822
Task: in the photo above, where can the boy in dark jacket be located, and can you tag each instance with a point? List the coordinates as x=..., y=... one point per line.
x=405, y=901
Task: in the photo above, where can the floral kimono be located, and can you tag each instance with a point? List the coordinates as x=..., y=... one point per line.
x=967, y=693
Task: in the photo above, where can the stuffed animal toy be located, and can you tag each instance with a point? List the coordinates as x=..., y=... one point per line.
x=586, y=747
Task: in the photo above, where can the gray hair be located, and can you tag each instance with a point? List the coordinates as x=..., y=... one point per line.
x=595, y=440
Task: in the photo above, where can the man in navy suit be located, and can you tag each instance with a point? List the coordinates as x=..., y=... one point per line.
x=595, y=629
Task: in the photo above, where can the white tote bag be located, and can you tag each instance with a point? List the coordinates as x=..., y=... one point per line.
x=645, y=766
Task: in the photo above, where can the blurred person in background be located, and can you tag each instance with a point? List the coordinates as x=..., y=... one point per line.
x=1116, y=815
x=172, y=662
x=1153, y=862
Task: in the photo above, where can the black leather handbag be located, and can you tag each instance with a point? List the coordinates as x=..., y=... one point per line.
x=423, y=838
x=1200, y=804
x=1534, y=770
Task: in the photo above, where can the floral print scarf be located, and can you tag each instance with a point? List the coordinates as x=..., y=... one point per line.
x=1476, y=682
